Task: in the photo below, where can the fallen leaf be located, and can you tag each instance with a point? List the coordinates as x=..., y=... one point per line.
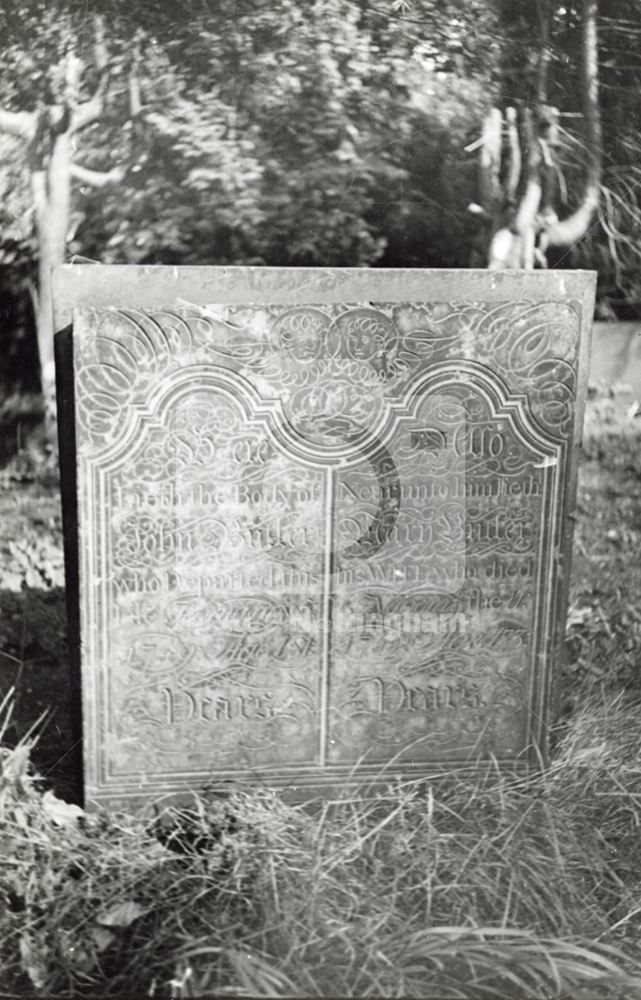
x=32, y=963
x=578, y=616
x=102, y=937
x=121, y=915
x=62, y=813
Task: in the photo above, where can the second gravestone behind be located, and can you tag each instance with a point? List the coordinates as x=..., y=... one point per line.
x=320, y=534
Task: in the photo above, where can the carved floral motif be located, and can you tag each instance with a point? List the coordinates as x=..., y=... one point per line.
x=335, y=368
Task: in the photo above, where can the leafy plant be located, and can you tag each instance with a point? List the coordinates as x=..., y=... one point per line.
x=481, y=885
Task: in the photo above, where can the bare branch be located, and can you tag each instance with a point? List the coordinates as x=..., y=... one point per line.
x=513, y=155
x=97, y=178
x=490, y=161
x=91, y=111
x=101, y=55
x=568, y=231
x=73, y=71
x=40, y=198
x=590, y=85
x=20, y=123
x=505, y=250
x=135, y=101
x=543, y=12
x=33, y=292
x=531, y=199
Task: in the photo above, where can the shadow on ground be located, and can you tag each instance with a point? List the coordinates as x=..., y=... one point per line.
x=35, y=663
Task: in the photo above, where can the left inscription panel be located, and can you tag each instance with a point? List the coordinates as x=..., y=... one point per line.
x=201, y=562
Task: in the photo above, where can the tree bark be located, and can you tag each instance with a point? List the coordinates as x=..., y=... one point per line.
x=48, y=134
x=51, y=191
x=567, y=232
x=18, y=123
x=513, y=243
x=543, y=11
x=524, y=222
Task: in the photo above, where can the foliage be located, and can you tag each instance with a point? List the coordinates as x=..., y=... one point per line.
x=16, y=213
x=320, y=132
x=478, y=886
x=34, y=562
x=283, y=134
x=604, y=622
x=268, y=125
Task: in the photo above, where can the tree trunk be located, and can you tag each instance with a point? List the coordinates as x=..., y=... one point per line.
x=47, y=132
x=567, y=232
x=543, y=11
x=51, y=193
x=513, y=243
x=523, y=221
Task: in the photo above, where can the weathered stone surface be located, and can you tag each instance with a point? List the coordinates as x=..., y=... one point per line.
x=321, y=533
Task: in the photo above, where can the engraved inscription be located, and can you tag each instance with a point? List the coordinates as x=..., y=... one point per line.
x=317, y=535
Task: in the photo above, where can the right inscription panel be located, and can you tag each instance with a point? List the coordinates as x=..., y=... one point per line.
x=447, y=543
x=438, y=626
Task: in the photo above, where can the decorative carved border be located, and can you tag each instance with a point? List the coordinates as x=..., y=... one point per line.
x=532, y=423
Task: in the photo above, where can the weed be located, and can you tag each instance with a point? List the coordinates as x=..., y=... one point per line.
x=487, y=885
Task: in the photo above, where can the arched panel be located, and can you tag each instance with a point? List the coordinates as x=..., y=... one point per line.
x=319, y=533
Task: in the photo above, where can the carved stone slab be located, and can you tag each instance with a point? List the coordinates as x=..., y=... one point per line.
x=323, y=540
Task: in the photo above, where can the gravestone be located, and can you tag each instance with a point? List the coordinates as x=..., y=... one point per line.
x=318, y=521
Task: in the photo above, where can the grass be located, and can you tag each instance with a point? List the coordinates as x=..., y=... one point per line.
x=477, y=887
x=604, y=623
x=484, y=886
